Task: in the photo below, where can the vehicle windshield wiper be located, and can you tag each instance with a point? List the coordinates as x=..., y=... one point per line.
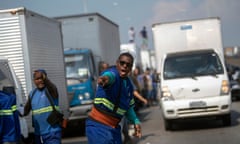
x=190, y=76
x=213, y=74
x=193, y=77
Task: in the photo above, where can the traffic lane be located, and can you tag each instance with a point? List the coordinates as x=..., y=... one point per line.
x=188, y=131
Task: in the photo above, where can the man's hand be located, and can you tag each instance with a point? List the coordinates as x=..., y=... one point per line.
x=103, y=80
x=137, y=132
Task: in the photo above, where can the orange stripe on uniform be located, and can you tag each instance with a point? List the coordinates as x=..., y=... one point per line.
x=103, y=118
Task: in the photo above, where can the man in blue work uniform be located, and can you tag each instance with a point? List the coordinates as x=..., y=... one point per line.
x=39, y=103
x=9, y=120
x=114, y=99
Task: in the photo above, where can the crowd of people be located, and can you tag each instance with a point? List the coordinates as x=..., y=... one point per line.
x=143, y=35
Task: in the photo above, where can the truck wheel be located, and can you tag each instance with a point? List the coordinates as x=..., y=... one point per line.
x=168, y=124
x=81, y=127
x=28, y=140
x=226, y=119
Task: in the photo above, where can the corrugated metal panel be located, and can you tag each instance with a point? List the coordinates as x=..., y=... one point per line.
x=45, y=49
x=94, y=32
x=11, y=47
x=31, y=41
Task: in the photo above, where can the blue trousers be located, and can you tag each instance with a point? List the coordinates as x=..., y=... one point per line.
x=98, y=133
x=50, y=138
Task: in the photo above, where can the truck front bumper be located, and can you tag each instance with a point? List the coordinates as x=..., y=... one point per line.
x=80, y=112
x=192, y=108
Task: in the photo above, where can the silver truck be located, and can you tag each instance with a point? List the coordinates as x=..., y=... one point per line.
x=30, y=41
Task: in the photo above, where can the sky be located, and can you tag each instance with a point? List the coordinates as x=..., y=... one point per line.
x=139, y=13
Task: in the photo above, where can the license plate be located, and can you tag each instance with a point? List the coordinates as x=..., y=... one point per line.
x=197, y=104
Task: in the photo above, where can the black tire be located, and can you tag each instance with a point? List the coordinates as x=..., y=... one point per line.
x=168, y=124
x=226, y=119
x=29, y=140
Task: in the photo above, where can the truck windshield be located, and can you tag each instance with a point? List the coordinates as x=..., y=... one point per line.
x=77, y=66
x=192, y=65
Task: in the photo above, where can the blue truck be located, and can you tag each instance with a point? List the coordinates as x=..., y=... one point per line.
x=81, y=81
x=88, y=40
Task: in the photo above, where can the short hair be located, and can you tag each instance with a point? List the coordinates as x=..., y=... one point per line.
x=126, y=54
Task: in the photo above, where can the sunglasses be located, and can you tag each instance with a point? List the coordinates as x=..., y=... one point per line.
x=122, y=63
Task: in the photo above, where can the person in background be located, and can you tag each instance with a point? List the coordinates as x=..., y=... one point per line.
x=140, y=100
x=40, y=105
x=9, y=119
x=148, y=87
x=137, y=96
x=208, y=65
x=103, y=66
x=143, y=34
x=131, y=35
x=139, y=77
x=155, y=81
x=113, y=101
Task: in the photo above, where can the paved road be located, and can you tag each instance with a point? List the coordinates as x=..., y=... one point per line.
x=204, y=131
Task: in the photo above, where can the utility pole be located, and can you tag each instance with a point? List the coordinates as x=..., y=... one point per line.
x=85, y=7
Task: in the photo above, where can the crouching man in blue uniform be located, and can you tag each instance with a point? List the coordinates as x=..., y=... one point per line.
x=114, y=99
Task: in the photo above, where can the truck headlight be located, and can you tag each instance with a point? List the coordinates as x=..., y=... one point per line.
x=84, y=96
x=87, y=95
x=166, y=94
x=80, y=97
x=225, y=88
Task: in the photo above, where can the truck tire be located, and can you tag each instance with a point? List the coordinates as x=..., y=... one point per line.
x=168, y=124
x=226, y=119
x=28, y=140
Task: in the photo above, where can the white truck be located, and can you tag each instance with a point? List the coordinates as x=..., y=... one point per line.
x=134, y=50
x=30, y=41
x=88, y=39
x=190, y=60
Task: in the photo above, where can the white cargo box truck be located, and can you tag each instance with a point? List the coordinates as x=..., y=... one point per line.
x=194, y=81
x=30, y=41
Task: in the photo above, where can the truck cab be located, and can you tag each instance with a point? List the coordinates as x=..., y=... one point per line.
x=81, y=81
x=194, y=84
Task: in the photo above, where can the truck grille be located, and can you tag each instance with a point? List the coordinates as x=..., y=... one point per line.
x=197, y=111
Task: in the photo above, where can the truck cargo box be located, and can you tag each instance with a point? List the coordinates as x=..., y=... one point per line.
x=31, y=41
